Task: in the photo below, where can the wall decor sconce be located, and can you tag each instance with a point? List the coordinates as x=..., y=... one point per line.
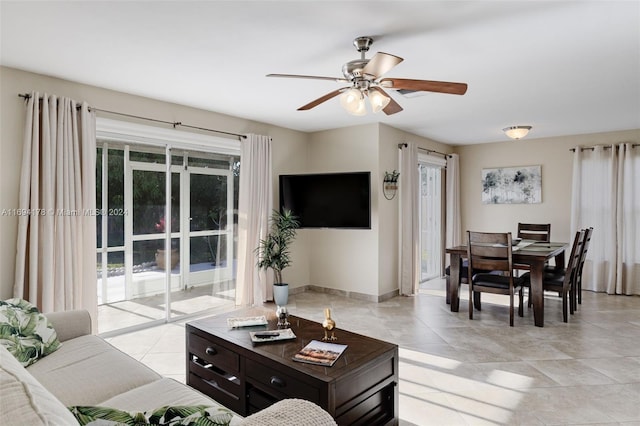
x=390, y=184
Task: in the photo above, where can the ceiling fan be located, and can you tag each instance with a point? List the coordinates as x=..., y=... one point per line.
x=364, y=78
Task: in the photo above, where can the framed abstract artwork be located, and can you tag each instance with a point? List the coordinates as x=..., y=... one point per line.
x=512, y=185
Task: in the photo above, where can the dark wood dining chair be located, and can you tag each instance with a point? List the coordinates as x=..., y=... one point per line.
x=535, y=231
x=464, y=266
x=539, y=232
x=492, y=252
x=563, y=281
x=577, y=293
x=464, y=274
x=583, y=257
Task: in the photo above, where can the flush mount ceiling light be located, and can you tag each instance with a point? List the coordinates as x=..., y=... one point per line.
x=516, y=132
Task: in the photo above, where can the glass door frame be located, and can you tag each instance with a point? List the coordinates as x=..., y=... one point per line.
x=124, y=134
x=438, y=164
x=185, y=226
x=129, y=236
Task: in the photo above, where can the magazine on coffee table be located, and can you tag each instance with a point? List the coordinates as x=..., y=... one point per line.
x=320, y=353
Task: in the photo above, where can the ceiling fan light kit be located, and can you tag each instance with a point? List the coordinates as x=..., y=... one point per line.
x=516, y=132
x=352, y=101
x=378, y=101
x=363, y=76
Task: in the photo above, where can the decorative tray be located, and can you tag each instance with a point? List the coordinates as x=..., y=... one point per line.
x=271, y=335
x=246, y=321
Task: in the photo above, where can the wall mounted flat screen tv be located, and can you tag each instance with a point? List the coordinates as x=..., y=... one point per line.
x=328, y=200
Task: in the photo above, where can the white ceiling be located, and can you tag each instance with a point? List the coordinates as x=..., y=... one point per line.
x=563, y=67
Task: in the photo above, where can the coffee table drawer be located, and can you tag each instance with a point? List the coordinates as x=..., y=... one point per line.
x=213, y=389
x=377, y=409
x=214, y=354
x=279, y=383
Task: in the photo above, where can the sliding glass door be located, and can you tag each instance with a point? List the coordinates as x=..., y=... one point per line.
x=154, y=267
x=211, y=230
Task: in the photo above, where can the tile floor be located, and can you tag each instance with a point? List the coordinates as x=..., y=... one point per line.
x=454, y=371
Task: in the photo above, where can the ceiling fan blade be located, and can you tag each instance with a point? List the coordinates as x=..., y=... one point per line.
x=321, y=99
x=392, y=107
x=380, y=64
x=425, y=85
x=310, y=77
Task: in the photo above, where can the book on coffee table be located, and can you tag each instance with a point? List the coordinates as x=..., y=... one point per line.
x=320, y=353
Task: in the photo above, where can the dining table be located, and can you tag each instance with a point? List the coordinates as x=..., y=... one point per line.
x=533, y=254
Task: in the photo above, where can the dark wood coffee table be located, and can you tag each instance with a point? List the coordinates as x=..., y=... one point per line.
x=360, y=388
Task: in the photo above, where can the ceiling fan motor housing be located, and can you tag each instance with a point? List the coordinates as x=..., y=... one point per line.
x=353, y=69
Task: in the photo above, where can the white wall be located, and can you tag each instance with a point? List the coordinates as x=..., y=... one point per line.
x=556, y=160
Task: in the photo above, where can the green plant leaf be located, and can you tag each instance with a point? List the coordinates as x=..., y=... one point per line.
x=273, y=251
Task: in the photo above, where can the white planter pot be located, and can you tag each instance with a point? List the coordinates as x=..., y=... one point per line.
x=281, y=294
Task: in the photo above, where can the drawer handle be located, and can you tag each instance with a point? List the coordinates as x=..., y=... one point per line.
x=277, y=381
x=211, y=351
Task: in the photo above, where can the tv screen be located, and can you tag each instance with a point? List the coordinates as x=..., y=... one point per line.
x=328, y=200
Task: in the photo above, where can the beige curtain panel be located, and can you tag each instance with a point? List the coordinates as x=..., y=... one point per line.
x=453, y=220
x=409, y=226
x=254, y=207
x=606, y=193
x=56, y=247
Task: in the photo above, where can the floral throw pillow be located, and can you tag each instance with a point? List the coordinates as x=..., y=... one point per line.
x=183, y=415
x=25, y=332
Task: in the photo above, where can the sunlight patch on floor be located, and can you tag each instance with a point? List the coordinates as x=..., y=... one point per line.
x=431, y=386
x=428, y=359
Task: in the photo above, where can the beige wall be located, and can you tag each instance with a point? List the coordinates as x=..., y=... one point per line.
x=342, y=259
x=556, y=160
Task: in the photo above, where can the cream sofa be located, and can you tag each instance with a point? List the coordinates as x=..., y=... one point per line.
x=87, y=371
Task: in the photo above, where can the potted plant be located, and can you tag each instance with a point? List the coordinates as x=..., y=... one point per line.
x=160, y=253
x=273, y=251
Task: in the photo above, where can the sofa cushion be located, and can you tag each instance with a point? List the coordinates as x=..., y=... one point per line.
x=165, y=416
x=161, y=392
x=24, y=401
x=25, y=332
x=87, y=370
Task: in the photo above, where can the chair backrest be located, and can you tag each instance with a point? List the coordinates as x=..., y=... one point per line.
x=535, y=231
x=489, y=251
x=571, y=272
x=585, y=247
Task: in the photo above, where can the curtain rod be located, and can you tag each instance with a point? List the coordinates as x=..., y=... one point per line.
x=591, y=148
x=428, y=151
x=26, y=96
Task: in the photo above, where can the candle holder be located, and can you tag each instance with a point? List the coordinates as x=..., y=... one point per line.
x=281, y=297
x=328, y=324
